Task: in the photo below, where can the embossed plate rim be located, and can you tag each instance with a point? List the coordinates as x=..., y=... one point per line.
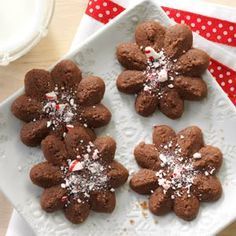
x=46, y=224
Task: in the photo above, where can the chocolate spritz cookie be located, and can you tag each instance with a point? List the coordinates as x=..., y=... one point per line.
x=162, y=68
x=179, y=171
x=57, y=100
x=79, y=174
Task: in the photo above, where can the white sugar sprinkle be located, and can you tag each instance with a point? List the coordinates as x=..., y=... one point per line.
x=170, y=86
x=49, y=123
x=212, y=171
x=197, y=155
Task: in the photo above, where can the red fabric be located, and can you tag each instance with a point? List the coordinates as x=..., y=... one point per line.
x=216, y=30
x=226, y=78
x=103, y=11
x=213, y=29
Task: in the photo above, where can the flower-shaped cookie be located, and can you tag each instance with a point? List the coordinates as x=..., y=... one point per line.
x=54, y=101
x=178, y=171
x=162, y=68
x=80, y=174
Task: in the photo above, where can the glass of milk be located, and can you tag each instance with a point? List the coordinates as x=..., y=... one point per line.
x=22, y=24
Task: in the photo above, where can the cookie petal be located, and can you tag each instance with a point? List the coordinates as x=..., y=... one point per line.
x=34, y=132
x=163, y=134
x=146, y=103
x=150, y=33
x=193, y=63
x=51, y=198
x=144, y=181
x=117, y=174
x=186, y=207
x=178, y=40
x=147, y=156
x=26, y=108
x=91, y=91
x=191, y=88
x=103, y=201
x=77, y=212
x=207, y=188
x=59, y=131
x=46, y=175
x=131, y=57
x=211, y=159
x=160, y=203
x=130, y=81
x=96, y=116
x=106, y=147
x=54, y=150
x=38, y=83
x=75, y=138
x=89, y=131
x=190, y=140
x=66, y=74
x=171, y=104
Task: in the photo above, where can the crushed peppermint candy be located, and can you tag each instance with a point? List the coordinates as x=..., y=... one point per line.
x=60, y=107
x=158, y=71
x=177, y=172
x=197, y=155
x=85, y=174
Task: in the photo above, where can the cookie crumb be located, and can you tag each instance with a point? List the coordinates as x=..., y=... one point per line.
x=144, y=205
x=131, y=222
x=144, y=214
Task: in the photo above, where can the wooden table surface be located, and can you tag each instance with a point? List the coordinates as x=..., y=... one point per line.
x=66, y=18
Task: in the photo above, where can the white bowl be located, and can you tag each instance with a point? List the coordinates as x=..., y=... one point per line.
x=23, y=23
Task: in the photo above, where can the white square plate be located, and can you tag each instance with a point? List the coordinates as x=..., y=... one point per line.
x=215, y=115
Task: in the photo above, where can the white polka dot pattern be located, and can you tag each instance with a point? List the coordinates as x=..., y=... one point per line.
x=103, y=11
x=226, y=78
x=216, y=30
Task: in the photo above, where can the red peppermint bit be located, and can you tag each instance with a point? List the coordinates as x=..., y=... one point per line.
x=57, y=106
x=151, y=58
x=147, y=51
x=64, y=199
x=51, y=96
x=69, y=127
x=73, y=164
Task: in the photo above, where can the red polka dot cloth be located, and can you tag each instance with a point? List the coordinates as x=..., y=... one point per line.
x=214, y=29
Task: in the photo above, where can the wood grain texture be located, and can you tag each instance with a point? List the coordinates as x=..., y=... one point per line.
x=65, y=21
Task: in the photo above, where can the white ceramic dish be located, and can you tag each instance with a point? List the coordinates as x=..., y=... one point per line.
x=23, y=24
x=215, y=115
